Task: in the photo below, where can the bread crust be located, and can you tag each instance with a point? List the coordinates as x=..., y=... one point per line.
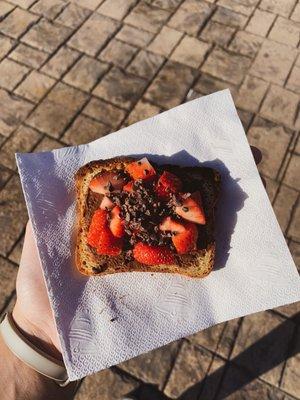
x=196, y=264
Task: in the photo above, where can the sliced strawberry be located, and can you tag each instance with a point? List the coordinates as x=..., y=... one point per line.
x=152, y=255
x=168, y=183
x=106, y=204
x=141, y=169
x=98, y=223
x=169, y=224
x=108, y=244
x=116, y=223
x=107, y=182
x=128, y=187
x=192, y=209
x=186, y=241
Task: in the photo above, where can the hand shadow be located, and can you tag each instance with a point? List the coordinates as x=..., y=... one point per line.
x=231, y=199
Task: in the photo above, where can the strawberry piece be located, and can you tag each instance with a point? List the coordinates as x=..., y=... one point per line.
x=169, y=224
x=107, y=182
x=106, y=204
x=141, y=169
x=168, y=183
x=116, y=224
x=186, y=241
x=98, y=223
x=192, y=209
x=108, y=244
x=152, y=255
x=128, y=187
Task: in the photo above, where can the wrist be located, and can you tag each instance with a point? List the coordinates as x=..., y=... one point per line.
x=35, y=334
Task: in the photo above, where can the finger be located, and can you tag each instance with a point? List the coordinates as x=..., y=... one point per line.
x=256, y=154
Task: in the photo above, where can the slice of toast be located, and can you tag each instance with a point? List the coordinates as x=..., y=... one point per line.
x=197, y=264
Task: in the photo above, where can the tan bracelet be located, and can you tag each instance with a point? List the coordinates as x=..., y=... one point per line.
x=30, y=354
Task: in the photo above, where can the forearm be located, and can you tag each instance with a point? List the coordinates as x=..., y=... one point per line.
x=20, y=382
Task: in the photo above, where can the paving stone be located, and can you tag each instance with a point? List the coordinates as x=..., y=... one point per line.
x=85, y=73
x=90, y=4
x=23, y=3
x=246, y=43
x=153, y=367
x=273, y=141
x=104, y=112
x=217, y=33
x=229, y=18
x=269, y=352
x=48, y=8
x=145, y=64
x=17, y=22
x=141, y=111
x=293, y=82
x=284, y=204
x=120, y=88
x=13, y=214
x=165, y=41
x=251, y=93
x=271, y=188
x=13, y=111
x=5, y=174
x=134, y=36
x=22, y=141
x=283, y=8
x=60, y=62
x=227, y=340
x=296, y=13
x=170, y=85
x=195, y=363
x=292, y=175
x=29, y=56
x=291, y=375
x=55, y=112
x=190, y=51
x=238, y=385
x=106, y=385
x=118, y=53
x=11, y=73
x=213, y=379
x=295, y=250
x=47, y=144
x=207, y=84
x=6, y=45
x=191, y=17
x=280, y=105
x=116, y=9
x=147, y=17
x=243, y=7
x=294, y=229
x=96, y=26
x=227, y=66
x=289, y=310
x=46, y=36
x=169, y=5
x=260, y=22
x=15, y=255
x=273, y=62
x=245, y=117
x=84, y=130
x=8, y=274
x=285, y=31
x=35, y=86
x=73, y=15
x=5, y=8
x=208, y=338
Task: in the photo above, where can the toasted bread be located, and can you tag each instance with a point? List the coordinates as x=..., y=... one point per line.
x=197, y=264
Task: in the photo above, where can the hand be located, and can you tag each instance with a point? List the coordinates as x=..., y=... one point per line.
x=32, y=311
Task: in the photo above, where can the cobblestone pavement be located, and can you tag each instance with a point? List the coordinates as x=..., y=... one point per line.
x=72, y=71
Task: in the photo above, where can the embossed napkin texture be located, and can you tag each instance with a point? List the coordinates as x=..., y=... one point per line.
x=103, y=321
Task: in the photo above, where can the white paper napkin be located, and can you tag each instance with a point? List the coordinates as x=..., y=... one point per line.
x=105, y=320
